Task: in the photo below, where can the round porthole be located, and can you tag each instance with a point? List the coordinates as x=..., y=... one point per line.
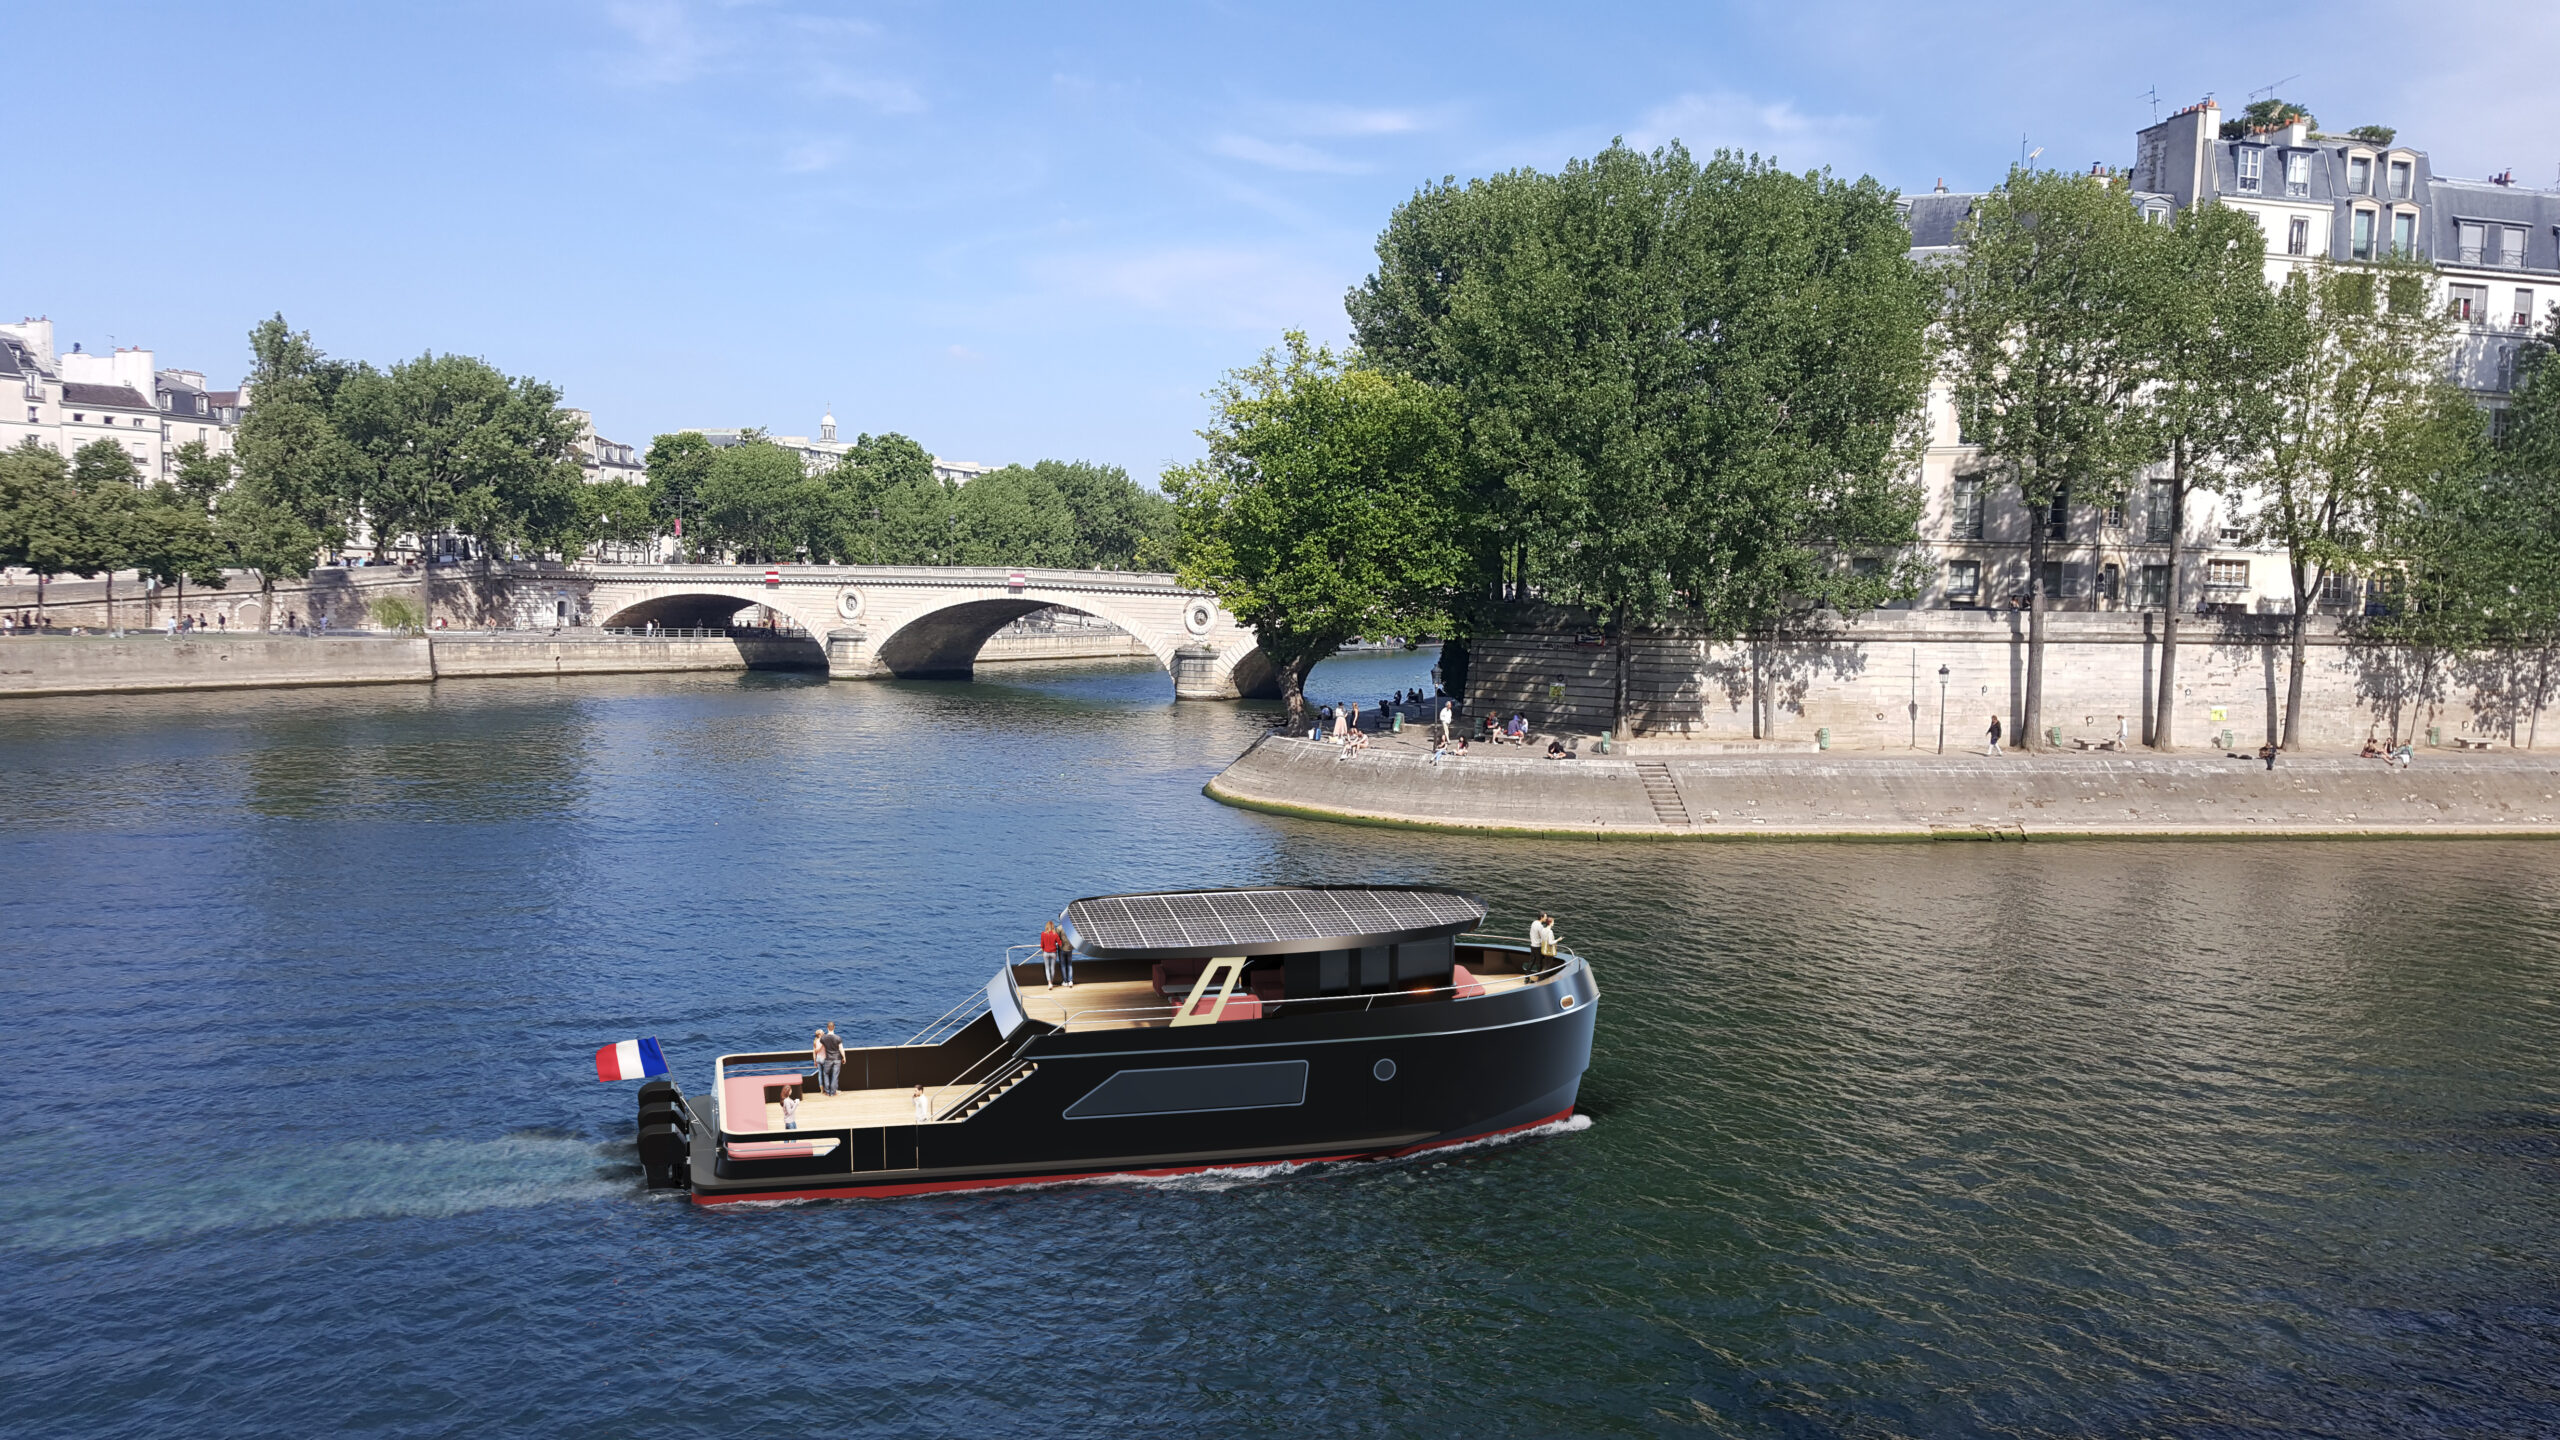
x=1384, y=1069
x=1566, y=1001
x=1198, y=616
x=849, y=604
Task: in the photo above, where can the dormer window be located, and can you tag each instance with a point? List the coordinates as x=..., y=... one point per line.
x=2401, y=173
x=2470, y=239
x=2252, y=166
x=2297, y=174
x=2404, y=234
x=2359, y=174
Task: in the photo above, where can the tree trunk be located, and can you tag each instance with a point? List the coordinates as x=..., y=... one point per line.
x=2030, y=734
x=2163, y=706
x=2293, y=680
x=1759, y=653
x=266, y=603
x=1293, y=692
x=111, y=602
x=2541, y=683
x=1618, y=691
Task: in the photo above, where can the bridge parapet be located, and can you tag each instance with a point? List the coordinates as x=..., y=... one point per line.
x=928, y=622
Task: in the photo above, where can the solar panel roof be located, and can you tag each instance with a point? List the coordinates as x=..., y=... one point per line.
x=1258, y=922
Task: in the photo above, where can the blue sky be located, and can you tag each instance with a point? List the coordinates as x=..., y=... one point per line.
x=1018, y=232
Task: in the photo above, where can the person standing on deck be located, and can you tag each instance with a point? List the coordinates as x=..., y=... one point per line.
x=924, y=1106
x=831, y=1057
x=1542, y=935
x=1051, y=942
x=790, y=1107
x=818, y=1055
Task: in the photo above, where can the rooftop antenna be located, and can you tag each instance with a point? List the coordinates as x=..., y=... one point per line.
x=2152, y=95
x=2269, y=91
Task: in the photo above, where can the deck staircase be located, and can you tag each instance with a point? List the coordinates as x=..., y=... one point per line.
x=1664, y=792
x=991, y=1092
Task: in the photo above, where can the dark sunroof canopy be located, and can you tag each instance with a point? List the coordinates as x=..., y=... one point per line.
x=1264, y=922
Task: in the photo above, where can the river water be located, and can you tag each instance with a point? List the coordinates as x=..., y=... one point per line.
x=302, y=1134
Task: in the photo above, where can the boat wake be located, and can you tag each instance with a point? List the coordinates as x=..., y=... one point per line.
x=70, y=1206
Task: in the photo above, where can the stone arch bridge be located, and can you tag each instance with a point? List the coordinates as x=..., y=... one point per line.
x=928, y=622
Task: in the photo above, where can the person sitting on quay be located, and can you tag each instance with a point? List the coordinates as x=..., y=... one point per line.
x=1556, y=751
x=2372, y=750
x=1519, y=728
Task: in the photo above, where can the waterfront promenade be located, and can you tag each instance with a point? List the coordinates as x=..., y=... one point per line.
x=1897, y=796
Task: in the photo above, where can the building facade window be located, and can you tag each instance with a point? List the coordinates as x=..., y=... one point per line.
x=2470, y=302
x=2110, y=583
x=2226, y=574
x=2297, y=236
x=2524, y=310
x=2155, y=588
x=2404, y=234
x=1968, y=508
x=2252, y=161
x=2401, y=171
x=2360, y=236
x=1964, y=582
x=2470, y=241
x=2053, y=579
x=2297, y=175
x=2057, y=516
x=2359, y=175
x=2161, y=513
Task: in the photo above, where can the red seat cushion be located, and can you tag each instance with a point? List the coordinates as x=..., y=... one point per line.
x=1468, y=986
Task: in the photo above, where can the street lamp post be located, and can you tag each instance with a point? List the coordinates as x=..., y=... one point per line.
x=1942, y=709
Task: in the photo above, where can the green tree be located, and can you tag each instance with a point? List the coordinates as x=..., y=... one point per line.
x=616, y=512
x=40, y=513
x=1322, y=510
x=2364, y=424
x=107, y=514
x=2209, y=347
x=1013, y=516
x=2524, y=504
x=455, y=444
x=678, y=464
x=757, y=503
x=1681, y=386
x=298, y=475
x=886, y=507
x=2044, y=324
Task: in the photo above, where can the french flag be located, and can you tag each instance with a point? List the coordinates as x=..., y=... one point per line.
x=630, y=1060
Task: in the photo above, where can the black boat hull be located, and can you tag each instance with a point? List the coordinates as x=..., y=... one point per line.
x=1338, y=1085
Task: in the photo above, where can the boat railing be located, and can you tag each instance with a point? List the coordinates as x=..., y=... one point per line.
x=952, y=1021
x=1145, y=1014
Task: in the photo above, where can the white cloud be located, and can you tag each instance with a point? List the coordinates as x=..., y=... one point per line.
x=1348, y=121
x=811, y=156
x=1284, y=155
x=1726, y=120
x=1234, y=288
x=667, y=48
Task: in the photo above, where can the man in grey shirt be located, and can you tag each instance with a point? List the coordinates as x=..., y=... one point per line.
x=833, y=1063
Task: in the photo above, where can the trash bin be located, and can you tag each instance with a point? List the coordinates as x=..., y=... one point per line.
x=2226, y=739
x=1601, y=745
x=2053, y=736
x=1822, y=738
x=2435, y=736
x=1395, y=723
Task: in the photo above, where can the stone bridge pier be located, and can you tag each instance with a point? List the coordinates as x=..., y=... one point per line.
x=928, y=622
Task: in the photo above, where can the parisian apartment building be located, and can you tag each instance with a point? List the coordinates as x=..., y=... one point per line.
x=67, y=400
x=824, y=452
x=2496, y=249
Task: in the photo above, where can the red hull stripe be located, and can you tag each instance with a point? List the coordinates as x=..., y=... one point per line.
x=884, y=1192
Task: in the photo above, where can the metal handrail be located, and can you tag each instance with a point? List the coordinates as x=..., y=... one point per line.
x=993, y=1082
x=1369, y=999
x=945, y=1025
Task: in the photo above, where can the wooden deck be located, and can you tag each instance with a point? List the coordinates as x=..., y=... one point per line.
x=854, y=1109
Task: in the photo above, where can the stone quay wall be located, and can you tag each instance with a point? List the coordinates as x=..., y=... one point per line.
x=1899, y=797
x=96, y=665
x=1873, y=682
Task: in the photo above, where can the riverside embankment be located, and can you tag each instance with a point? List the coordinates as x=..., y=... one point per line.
x=35, y=665
x=1910, y=796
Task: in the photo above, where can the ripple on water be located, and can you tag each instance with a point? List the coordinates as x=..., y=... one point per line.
x=2203, y=1140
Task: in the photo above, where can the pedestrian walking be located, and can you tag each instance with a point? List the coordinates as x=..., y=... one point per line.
x=2121, y=732
x=1992, y=749
x=830, y=1057
x=1052, y=940
x=2267, y=752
